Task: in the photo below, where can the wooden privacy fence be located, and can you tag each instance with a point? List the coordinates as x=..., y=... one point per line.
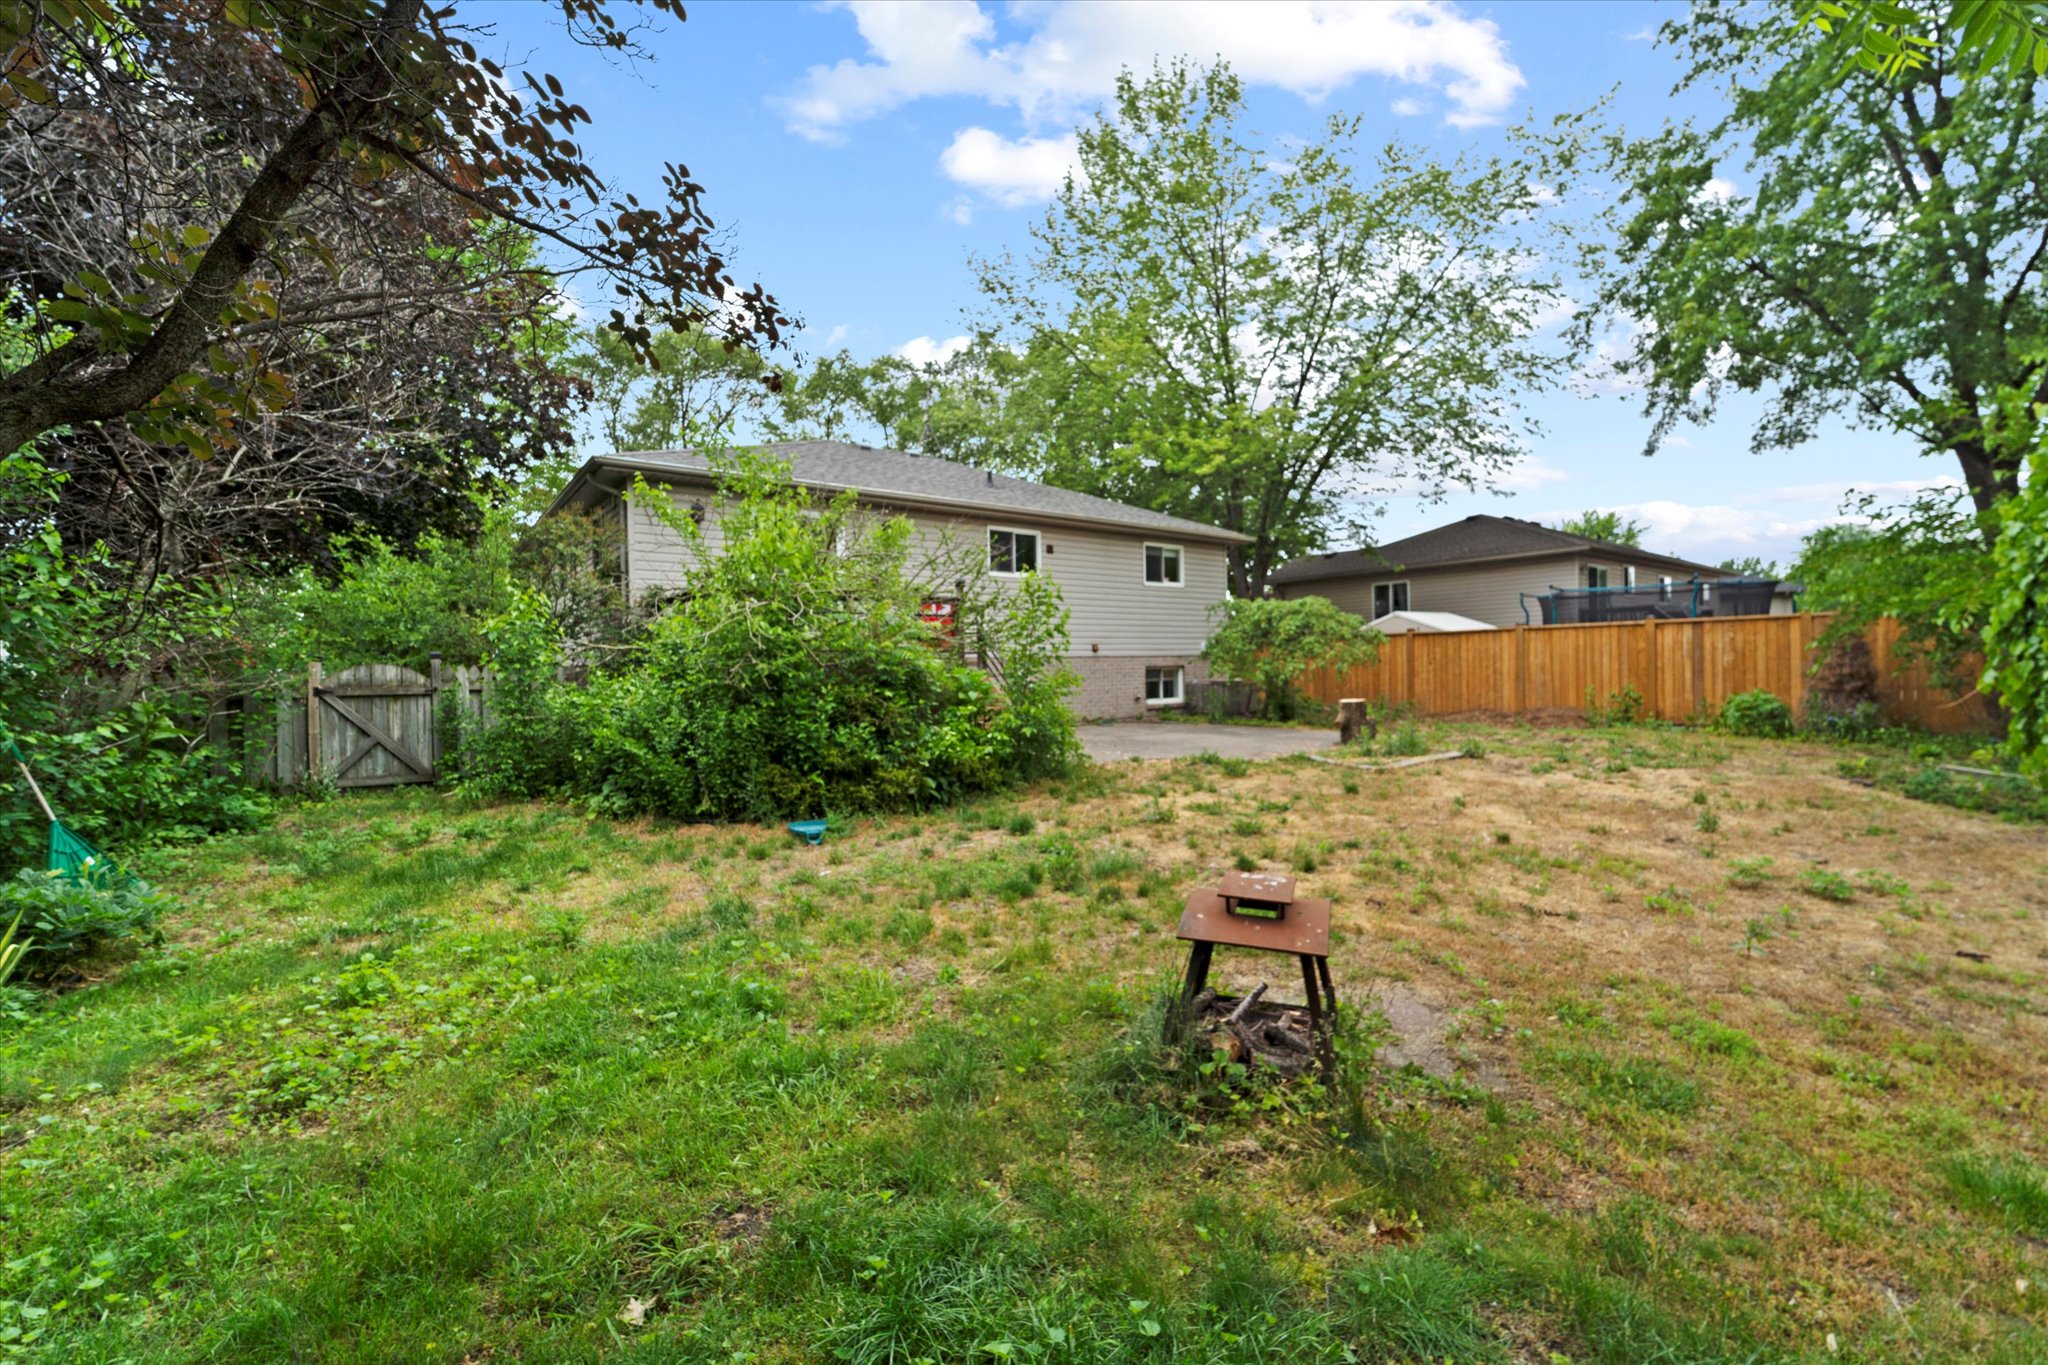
x=1682, y=669
x=374, y=725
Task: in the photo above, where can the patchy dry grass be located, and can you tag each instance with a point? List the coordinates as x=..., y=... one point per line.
x=1676, y=1060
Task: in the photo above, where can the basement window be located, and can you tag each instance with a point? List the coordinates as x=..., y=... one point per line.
x=1163, y=686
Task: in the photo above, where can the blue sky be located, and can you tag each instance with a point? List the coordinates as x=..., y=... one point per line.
x=859, y=154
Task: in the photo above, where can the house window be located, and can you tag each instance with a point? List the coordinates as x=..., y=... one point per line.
x=1012, y=552
x=1596, y=577
x=1162, y=686
x=1628, y=576
x=1162, y=565
x=1388, y=597
x=1664, y=587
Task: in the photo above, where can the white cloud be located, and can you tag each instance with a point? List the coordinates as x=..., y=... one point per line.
x=1409, y=108
x=925, y=351
x=960, y=208
x=1528, y=474
x=837, y=334
x=1027, y=170
x=1715, y=191
x=1646, y=34
x=1839, y=491
x=1715, y=530
x=1072, y=55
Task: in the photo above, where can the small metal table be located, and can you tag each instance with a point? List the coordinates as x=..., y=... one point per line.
x=1260, y=911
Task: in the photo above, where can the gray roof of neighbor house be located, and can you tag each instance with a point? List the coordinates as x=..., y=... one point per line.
x=1475, y=540
x=898, y=478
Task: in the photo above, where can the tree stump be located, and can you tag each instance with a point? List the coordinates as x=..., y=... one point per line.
x=1353, y=718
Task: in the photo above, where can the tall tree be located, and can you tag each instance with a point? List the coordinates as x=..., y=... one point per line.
x=175, y=311
x=954, y=408
x=1885, y=261
x=1608, y=526
x=1268, y=337
x=696, y=388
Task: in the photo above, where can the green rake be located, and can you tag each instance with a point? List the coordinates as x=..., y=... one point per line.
x=70, y=854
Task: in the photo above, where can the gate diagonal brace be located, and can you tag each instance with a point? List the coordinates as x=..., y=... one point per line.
x=374, y=731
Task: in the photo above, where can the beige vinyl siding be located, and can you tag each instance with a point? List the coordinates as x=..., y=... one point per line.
x=1101, y=574
x=655, y=552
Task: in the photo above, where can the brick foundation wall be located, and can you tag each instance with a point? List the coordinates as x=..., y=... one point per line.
x=1113, y=687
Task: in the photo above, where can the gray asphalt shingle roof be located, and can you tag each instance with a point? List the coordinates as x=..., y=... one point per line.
x=897, y=476
x=1475, y=539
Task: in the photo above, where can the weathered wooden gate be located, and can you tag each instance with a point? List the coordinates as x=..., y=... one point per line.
x=371, y=726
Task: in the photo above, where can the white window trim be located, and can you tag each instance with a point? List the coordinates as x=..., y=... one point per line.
x=1180, y=559
x=1180, y=684
x=1391, y=584
x=1606, y=576
x=1628, y=575
x=1037, y=556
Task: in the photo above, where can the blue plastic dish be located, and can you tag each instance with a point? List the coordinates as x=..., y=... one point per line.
x=813, y=831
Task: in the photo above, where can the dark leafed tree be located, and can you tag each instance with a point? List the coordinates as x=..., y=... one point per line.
x=1860, y=247
x=299, y=243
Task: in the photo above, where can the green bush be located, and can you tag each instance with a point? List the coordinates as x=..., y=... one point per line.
x=795, y=674
x=1757, y=714
x=108, y=697
x=1272, y=641
x=65, y=920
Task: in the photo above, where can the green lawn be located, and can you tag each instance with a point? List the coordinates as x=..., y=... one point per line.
x=418, y=1079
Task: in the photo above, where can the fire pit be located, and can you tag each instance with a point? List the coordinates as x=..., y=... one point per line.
x=1260, y=911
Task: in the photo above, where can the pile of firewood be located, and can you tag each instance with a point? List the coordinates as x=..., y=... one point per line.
x=1253, y=1032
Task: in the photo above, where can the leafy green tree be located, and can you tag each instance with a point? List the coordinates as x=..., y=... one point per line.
x=1750, y=566
x=1922, y=562
x=954, y=408
x=1884, y=262
x=1271, y=642
x=695, y=388
x=1612, y=527
x=1890, y=39
x=2016, y=630
x=1266, y=337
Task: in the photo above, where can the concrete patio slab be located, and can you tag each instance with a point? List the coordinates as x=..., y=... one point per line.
x=1168, y=739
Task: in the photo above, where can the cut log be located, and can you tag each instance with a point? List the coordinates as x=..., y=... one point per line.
x=1251, y=998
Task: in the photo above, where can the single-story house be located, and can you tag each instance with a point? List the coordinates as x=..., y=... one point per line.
x=1426, y=623
x=1498, y=570
x=1139, y=585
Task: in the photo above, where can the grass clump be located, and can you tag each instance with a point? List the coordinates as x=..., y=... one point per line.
x=1828, y=886
x=2007, y=1188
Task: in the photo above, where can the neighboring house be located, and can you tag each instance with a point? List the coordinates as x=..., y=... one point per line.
x=1494, y=570
x=1425, y=623
x=1139, y=585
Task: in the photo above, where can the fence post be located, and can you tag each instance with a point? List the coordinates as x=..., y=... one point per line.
x=434, y=711
x=1652, y=691
x=313, y=676
x=1521, y=692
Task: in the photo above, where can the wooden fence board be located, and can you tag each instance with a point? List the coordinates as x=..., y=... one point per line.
x=1683, y=669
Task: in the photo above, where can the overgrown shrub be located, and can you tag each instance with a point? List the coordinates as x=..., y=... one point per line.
x=1758, y=714
x=68, y=921
x=796, y=673
x=107, y=690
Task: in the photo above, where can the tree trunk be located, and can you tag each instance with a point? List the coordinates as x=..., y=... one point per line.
x=66, y=387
